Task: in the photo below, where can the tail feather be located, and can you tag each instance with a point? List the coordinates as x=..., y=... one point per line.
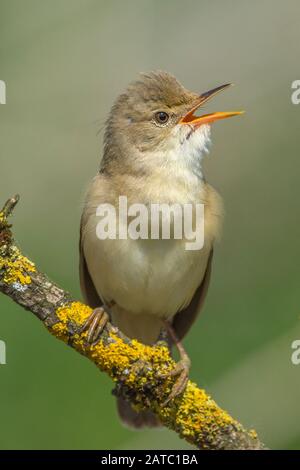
x=136, y=419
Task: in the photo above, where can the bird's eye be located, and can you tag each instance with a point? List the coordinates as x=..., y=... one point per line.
x=161, y=117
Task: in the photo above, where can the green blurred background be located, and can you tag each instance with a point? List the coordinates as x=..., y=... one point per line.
x=64, y=62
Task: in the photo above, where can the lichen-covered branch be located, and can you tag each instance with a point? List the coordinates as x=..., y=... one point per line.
x=136, y=369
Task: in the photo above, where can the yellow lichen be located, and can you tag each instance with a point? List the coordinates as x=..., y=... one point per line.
x=115, y=356
x=16, y=268
x=60, y=330
x=118, y=356
x=253, y=434
x=194, y=415
x=75, y=312
x=3, y=220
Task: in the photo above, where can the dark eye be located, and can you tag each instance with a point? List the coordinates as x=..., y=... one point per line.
x=161, y=117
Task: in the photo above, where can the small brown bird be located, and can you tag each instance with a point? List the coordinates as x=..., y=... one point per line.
x=153, y=150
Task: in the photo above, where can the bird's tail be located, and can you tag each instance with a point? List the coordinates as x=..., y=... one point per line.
x=136, y=419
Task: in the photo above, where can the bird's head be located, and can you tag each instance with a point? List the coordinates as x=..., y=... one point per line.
x=155, y=119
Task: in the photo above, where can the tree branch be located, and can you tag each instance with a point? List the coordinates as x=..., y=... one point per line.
x=135, y=368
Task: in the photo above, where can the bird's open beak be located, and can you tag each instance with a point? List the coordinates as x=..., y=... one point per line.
x=197, y=121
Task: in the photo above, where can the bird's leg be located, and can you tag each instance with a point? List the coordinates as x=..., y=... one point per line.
x=182, y=368
x=96, y=322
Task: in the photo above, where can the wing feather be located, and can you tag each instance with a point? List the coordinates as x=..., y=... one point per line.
x=184, y=319
x=88, y=289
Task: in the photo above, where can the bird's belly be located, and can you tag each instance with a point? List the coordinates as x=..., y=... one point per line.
x=145, y=277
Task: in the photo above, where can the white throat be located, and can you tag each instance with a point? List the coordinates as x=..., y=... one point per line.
x=183, y=152
x=176, y=168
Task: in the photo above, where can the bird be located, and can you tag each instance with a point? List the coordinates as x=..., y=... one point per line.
x=154, y=144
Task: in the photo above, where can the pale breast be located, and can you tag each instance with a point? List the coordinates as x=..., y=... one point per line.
x=148, y=277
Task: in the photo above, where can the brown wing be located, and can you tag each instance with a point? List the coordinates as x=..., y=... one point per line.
x=88, y=289
x=184, y=319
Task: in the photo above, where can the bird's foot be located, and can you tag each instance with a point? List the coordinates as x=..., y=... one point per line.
x=181, y=369
x=94, y=325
